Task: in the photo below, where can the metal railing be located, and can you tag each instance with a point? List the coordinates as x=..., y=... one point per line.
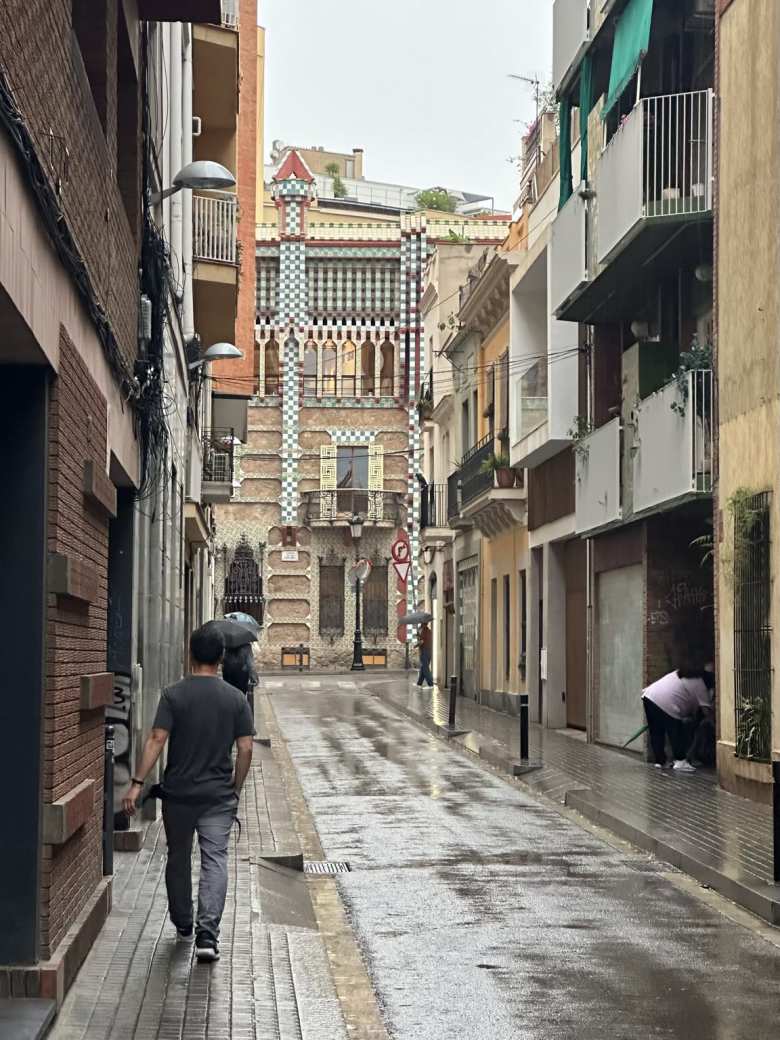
x=433, y=506
x=425, y=400
x=218, y=456
x=214, y=226
x=474, y=480
x=230, y=14
x=340, y=505
x=658, y=165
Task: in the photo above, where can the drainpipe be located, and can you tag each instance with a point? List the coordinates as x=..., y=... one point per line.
x=186, y=156
x=590, y=712
x=176, y=149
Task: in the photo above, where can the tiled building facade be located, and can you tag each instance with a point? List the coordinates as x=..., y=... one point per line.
x=333, y=430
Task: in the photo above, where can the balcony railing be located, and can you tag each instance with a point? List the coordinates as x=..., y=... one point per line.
x=531, y=399
x=433, y=506
x=425, y=401
x=340, y=505
x=470, y=481
x=230, y=14
x=214, y=226
x=673, y=443
x=570, y=34
x=597, y=493
x=218, y=458
x=658, y=166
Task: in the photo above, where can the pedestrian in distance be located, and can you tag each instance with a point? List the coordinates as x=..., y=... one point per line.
x=672, y=705
x=238, y=667
x=425, y=643
x=203, y=717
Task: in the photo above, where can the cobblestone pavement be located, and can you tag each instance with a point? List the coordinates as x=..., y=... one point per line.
x=139, y=983
x=484, y=912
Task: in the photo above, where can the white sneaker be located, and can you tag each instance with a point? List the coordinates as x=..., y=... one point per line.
x=683, y=766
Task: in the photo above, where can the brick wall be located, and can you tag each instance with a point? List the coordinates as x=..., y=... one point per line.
x=238, y=375
x=46, y=69
x=76, y=642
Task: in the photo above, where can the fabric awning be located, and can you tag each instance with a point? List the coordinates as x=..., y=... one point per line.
x=632, y=39
x=586, y=104
x=567, y=186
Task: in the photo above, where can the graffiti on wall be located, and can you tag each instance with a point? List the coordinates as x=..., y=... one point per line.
x=119, y=715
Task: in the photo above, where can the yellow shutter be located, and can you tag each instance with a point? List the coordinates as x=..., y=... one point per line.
x=376, y=481
x=327, y=480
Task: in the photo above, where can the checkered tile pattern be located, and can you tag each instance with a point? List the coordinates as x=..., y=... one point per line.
x=290, y=444
x=352, y=438
x=292, y=284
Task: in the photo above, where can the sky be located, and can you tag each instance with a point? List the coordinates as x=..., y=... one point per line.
x=422, y=85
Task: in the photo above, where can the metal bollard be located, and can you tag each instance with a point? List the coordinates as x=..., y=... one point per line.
x=524, y=727
x=108, y=803
x=453, y=701
x=776, y=818
x=300, y=657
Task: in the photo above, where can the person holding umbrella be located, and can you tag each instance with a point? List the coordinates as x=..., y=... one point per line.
x=425, y=643
x=238, y=665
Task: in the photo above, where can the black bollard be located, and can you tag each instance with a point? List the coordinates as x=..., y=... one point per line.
x=523, y=727
x=453, y=701
x=776, y=818
x=108, y=803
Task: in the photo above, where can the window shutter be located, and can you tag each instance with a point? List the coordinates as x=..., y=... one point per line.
x=327, y=480
x=376, y=481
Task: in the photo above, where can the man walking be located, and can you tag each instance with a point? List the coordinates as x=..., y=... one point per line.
x=204, y=717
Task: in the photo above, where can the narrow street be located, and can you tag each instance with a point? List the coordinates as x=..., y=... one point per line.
x=482, y=912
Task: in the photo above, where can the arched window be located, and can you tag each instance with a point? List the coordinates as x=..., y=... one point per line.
x=367, y=368
x=348, y=369
x=329, y=369
x=243, y=588
x=310, y=369
x=272, y=386
x=387, y=371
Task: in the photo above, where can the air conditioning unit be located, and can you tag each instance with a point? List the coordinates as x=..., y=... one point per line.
x=700, y=15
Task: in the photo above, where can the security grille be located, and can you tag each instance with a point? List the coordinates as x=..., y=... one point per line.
x=326, y=867
x=752, y=628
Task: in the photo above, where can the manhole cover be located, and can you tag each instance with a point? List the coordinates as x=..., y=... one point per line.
x=325, y=867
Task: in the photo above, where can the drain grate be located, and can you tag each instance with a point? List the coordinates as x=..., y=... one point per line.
x=326, y=866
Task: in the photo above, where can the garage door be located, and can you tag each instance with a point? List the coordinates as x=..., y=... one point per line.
x=621, y=647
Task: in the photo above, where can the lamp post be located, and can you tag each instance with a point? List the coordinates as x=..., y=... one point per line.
x=356, y=530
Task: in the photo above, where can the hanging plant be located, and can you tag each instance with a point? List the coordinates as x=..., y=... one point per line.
x=698, y=358
x=581, y=429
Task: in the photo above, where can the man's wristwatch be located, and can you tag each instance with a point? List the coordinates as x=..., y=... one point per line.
x=134, y=780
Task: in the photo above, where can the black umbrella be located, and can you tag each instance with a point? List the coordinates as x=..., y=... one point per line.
x=247, y=620
x=234, y=635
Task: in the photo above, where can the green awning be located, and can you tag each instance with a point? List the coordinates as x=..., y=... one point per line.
x=632, y=39
x=567, y=186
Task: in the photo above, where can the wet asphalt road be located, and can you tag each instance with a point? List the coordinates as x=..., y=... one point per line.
x=483, y=913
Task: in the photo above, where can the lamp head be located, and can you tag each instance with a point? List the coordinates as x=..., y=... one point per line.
x=217, y=352
x=205, y=175
x=356, y=526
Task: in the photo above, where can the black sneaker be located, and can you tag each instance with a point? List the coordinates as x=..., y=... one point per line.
x=184, y=934
x=206, y=949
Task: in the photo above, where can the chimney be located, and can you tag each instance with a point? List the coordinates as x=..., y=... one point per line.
x=358, y=157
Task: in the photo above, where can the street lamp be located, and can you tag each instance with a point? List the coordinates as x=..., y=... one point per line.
x=216, y=352
x=356, y=530
x=202, y=175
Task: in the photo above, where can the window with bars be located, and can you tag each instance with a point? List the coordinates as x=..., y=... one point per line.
x=272, y=384
x=753, y=627
x=375, y=601
x=331, y=599
x=243, y=589
x=329, y=369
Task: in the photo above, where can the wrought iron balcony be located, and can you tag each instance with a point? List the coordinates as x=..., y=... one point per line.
x=218, y=457
x=476, y=496
x=337, y=507
x=433, y=507
x=425, y=400
x=214, y=216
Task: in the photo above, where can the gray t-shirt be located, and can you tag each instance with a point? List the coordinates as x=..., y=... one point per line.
x=204, y=716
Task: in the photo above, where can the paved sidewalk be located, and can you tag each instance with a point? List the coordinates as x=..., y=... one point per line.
x=722, y=840
x=273, y=979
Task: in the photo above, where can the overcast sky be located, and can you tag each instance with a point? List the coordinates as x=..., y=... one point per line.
x=422, y=85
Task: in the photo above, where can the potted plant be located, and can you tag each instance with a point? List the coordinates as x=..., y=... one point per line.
x=501, y=466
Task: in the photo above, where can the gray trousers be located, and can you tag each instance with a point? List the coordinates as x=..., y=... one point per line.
x=213, y=826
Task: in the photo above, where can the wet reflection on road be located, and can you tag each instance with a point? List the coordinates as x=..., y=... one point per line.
x=483, y=913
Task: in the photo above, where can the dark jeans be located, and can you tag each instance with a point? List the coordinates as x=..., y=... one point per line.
x=425, y=669
x=662, y=726
x=213, y=825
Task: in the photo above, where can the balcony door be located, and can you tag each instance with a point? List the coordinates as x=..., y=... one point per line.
x=352, y=479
